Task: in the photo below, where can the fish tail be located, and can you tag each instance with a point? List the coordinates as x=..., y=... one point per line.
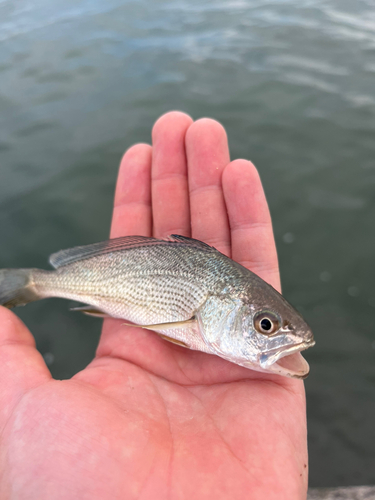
x=17, y=287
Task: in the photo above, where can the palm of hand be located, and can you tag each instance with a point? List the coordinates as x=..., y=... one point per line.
x=148, y=419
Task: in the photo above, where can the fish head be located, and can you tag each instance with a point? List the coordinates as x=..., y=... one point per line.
x=261, y=331
x=277, y=333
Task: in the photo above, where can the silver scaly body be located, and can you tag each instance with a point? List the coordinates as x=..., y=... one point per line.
x=147, y=281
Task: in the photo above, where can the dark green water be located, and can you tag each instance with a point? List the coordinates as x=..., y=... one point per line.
x=293, y=83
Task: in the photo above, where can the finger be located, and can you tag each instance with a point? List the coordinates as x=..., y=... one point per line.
x=132, y=207
x=170, y=197
x=207, y=154
x=21, y=366
x=253, y=244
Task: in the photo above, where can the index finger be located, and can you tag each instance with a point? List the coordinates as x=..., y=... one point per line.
x=253, y=244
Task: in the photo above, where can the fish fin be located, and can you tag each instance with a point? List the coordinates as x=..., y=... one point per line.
x=190, y=242
x=164, y=326
x=17, y=287
x=174, y=341
x=64, y=257
x=91, y=311
x=76, y=254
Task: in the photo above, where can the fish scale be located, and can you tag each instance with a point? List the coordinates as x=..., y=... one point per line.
x=159, y=293
x=181, y=288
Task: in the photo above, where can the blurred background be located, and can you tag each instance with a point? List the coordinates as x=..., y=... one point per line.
x=293, y=83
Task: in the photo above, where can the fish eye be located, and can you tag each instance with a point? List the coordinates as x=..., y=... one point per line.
x=267, y=323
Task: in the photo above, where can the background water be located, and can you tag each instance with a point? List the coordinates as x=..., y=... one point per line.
x=293, y=83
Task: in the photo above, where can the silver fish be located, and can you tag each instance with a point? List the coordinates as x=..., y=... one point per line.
x=183, y=289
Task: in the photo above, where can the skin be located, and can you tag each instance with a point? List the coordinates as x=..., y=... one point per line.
x=148, y=419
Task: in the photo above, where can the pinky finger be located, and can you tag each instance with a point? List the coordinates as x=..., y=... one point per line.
x=132, y=207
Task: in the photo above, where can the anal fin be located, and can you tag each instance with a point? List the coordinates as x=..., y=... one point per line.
x=91, y=311
x=174, y=341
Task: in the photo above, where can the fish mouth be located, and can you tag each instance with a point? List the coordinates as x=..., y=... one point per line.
x=288, y=362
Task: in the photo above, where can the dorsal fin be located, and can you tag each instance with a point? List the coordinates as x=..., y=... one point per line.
x=190, y=241
x=65, y=257
x=75, y=254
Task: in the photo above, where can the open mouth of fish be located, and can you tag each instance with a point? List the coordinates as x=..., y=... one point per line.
x=288, y=362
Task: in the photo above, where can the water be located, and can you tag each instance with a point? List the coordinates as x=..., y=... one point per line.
x=292, y=82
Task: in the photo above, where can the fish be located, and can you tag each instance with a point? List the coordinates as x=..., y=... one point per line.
x=183, y=289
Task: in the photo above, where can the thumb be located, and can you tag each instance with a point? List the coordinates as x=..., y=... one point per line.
x=22, y=367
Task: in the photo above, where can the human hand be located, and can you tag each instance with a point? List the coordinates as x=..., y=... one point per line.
x=148, y=419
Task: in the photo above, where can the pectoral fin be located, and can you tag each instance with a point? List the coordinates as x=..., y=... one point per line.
x=91, y=311
x=168, y=326
x=165, y=326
